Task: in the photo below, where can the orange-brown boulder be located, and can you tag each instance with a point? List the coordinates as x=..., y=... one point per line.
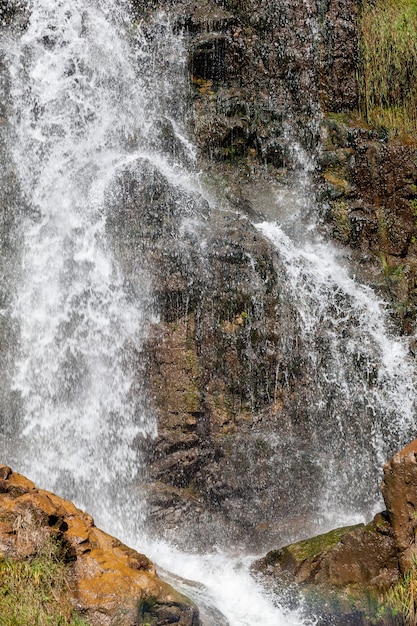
x=399, y=489
x=110, y=583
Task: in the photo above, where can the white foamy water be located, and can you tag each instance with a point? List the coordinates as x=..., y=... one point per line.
x=216, y=580
x=85, y=104
x=363, y=377
x=78, y=328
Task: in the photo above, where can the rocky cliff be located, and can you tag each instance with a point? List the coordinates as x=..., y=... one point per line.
x=228, y=375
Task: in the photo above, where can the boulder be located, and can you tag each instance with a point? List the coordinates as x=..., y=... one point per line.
x=399, y=489
x=351, y=556
x=339, y=575
x=344, y=575
x=109, y=582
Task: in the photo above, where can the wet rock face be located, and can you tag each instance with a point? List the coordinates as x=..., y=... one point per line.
x=254, y=64
x=227, y=374
x=370, y=191
x=110, y=583
x=338, y=55
x=216, y=362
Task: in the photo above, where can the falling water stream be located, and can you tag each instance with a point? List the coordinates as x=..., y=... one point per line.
x=86, y=104
x=85, y=101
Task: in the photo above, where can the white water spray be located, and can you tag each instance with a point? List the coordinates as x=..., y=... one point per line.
x=79, y=330
x=362, y=377
x=86, y=106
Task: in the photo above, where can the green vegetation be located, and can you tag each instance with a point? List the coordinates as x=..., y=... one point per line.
x=401, y=599
x=34, y=591
x=388, y=64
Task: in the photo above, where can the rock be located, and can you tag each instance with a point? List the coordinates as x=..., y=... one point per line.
x=399, y=489
x=344, y=575
x=110, y=583
x=339, y=577
x=361, y=557
x=370, y=192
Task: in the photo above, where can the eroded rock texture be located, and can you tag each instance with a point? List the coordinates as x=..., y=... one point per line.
x=110, y=583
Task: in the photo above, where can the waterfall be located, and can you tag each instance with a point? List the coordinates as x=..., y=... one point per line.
x=87, y=106
x=78, y=327
x=361, y=377
x=93, y=108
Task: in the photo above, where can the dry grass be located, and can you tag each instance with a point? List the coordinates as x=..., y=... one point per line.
x=387, y=73
x=34, y=587
x=401, y=599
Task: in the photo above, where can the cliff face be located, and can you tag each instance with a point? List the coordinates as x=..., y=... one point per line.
x=228, y=377
x=228, y=374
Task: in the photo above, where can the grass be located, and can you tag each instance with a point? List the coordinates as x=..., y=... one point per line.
x=401, y=599
x=34, y=590
x=387, y=74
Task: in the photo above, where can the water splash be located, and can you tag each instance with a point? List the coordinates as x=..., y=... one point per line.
x=361, y=377
x=223, y=582
x=92, y=105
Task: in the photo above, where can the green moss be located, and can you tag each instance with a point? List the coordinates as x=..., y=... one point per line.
x=391, y=271
x=309, y=548
x=413, y=203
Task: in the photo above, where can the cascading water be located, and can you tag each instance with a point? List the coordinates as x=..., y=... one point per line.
x=85, y=107
x=78, y=328
x=361, y=375
x=91, y=111
x=361, y=387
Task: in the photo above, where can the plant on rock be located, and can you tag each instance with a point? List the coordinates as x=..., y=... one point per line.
x=34, y=590
x=401, y=599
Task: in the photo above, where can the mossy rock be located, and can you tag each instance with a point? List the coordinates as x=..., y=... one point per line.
x=341, y=576
x=291, y=558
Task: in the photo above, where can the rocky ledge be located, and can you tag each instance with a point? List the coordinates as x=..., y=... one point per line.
x=359, y=574
x=109, y=583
